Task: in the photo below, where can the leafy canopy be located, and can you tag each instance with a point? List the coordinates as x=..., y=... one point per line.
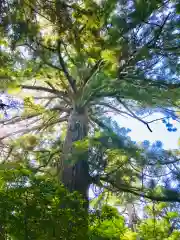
x=93, y=57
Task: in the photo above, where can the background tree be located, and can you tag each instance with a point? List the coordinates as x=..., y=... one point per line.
x=111, y=225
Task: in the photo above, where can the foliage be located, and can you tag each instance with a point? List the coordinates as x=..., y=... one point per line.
x=76, y=62
x=33, y=206
x=36, y=207
x=155, y=226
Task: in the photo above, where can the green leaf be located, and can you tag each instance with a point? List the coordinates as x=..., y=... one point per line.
x=172, y=215
x=14, y=90
x=109, y=56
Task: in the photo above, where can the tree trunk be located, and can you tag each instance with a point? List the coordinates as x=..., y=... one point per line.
x=75, y=175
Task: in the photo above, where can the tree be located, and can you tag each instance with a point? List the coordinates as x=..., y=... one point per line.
x=88, y=58
x=111, y=225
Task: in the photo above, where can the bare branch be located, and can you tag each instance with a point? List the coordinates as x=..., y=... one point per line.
x=40, y=88
x=155, y=120
x=47, y=97
x=50, y=85
x=17, y=119
x=134, y=115
x=64, y=69
x=20, y=119
x=35, y=128
x=114, y=109
x=59, y=108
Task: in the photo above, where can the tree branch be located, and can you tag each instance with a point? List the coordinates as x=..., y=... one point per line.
x=37, y=12
x=59, y=108
x=134, y=115
x=140, y=192
x=40, y=88
x=114, y=109
x=17, y=119
x=159, y=32
x=93, y=71
x=35, y=128
x=155, y=120
x=50, y=85
x=164, y=162
x=64, y=69
x=150, y=44
x=41, y=56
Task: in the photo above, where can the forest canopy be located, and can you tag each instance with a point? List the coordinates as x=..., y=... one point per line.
x=66, y=69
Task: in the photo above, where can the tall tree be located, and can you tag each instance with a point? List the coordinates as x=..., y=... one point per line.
x=82, y=59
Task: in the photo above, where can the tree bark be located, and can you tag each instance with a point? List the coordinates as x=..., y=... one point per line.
x=75, y=175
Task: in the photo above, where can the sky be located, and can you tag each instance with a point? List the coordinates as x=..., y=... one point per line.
x=139, y=131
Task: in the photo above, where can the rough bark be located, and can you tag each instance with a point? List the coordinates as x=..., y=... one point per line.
x=75, y=175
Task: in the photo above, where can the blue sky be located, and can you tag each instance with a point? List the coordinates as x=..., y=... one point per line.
x=140, y=132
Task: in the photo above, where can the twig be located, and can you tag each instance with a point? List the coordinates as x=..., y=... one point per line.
x=135, y=116
x=155, y=120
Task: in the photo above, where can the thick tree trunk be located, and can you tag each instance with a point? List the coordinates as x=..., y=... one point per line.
x=75, y=171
